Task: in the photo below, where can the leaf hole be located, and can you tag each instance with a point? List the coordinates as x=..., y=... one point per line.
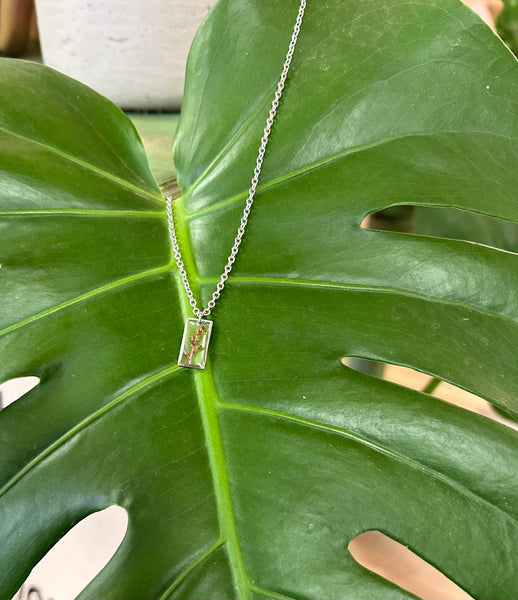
x=71, y=564
x=398, y=564
x=394, y=218
x=13, y=389
x=446, y=223
x=422, y=382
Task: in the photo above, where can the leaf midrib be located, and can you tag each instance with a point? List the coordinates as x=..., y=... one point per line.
x=207, y=399
x=160, y=376
x=200, y=559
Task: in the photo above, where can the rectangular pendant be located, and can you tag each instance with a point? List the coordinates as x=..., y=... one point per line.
x=195, y=343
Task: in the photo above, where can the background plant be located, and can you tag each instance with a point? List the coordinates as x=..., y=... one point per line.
x=507, y=24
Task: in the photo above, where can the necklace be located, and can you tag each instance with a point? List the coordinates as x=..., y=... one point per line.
x=197, y=330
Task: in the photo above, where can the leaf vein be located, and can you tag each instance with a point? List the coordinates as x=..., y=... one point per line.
x=84, y=297
x=191, y=567
x=370, y=288
x=82, y=212
x=86, y=165
x=375, y=446
x=328, y=160
x=98, y=414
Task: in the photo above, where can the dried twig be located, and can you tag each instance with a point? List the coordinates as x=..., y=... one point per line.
x=195, y=347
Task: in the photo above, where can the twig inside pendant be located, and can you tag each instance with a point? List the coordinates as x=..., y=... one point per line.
x=195, y=347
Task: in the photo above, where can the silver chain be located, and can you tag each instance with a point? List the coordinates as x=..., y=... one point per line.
x=251, y=192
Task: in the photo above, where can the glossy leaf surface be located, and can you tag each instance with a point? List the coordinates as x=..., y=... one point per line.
x=248, y=479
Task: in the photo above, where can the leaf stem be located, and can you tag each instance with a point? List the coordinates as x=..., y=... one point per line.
x=432, y=385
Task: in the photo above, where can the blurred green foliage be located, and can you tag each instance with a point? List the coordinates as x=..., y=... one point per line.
x=507, y=24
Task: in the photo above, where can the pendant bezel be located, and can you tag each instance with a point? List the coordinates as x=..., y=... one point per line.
x=192, y=357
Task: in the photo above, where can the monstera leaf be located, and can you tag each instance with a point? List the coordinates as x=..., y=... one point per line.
x=249, y=479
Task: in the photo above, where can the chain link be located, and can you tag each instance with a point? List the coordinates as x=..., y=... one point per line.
x=251, y=192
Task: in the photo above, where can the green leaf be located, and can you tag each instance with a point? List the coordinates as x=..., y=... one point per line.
x=249, y=479
x=507, y=24
x=157, y=132
x=461, y=225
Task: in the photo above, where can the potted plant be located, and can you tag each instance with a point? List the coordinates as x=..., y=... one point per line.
x=132, y=52
x=250, y=478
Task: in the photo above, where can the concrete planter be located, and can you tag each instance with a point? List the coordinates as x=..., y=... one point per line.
x=131, y=51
